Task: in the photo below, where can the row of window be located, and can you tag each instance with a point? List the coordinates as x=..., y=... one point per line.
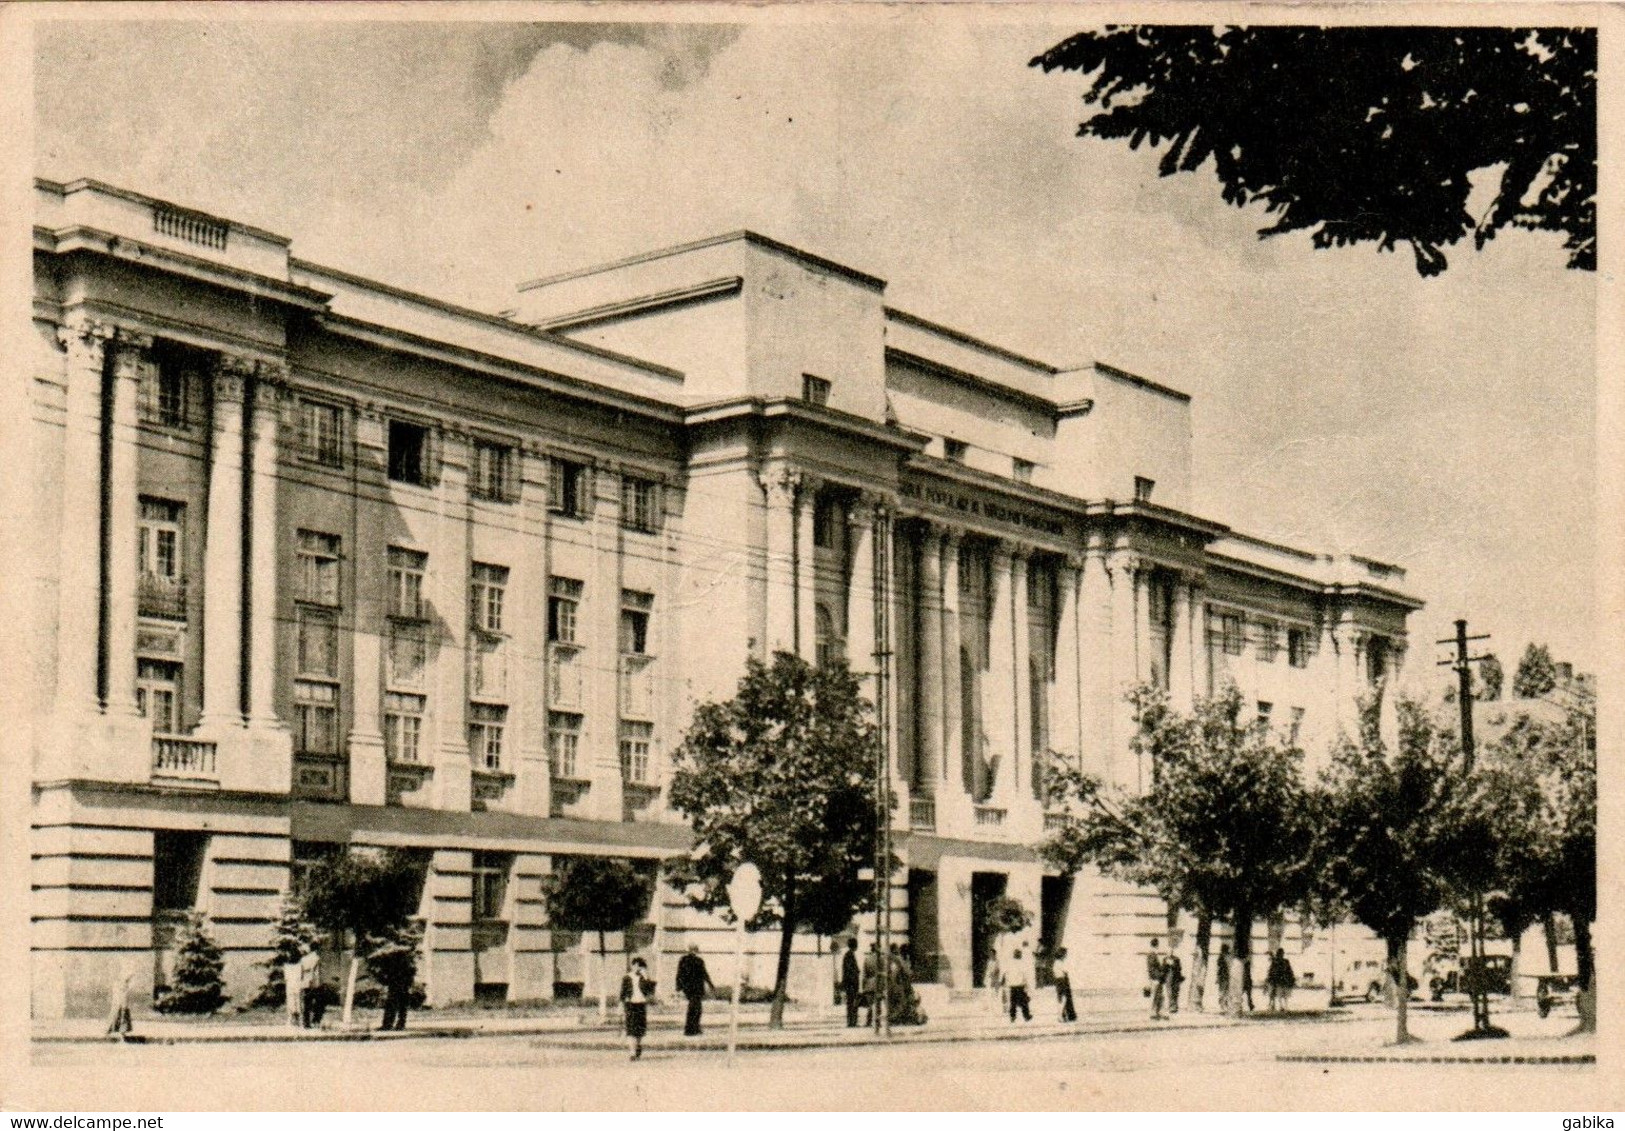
x=1231, y=636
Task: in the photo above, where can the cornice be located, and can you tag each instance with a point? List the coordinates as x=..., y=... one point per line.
x=643, y=304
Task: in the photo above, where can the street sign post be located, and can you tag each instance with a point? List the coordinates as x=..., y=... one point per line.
x=744, y=899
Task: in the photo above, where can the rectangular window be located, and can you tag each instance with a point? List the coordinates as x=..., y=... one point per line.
x=1230, y=633
x=321, y=432
x=826, y=522
x=157, y=694
x=563, y=744
x=318, y=636
x=409, y=453
x=1022, y=469
x=1264, y=712
x=636, y=739
x=1143, y=488
x=1297, y=647
x=177, y=869
x=159, y=548
x=494, y=473
x=485, y=596
x=315, y=717
x=814, y=390
x=563, y=607
x=485, y=727
x=640, y=504
x=568, y=484
x=169, y=387
x=954, y=449
x=403, y=727
x=317, y=580
x=491, y=884
x=406, y=571
x=490, y=665
x=1269, y=641
x=407, y=655
x=635, y=609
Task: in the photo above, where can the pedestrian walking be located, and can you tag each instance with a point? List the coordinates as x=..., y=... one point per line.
x=1176, y=981
x=693, y=979
x=851, y=983
x=1278, y=982
x=119, y=1022
x=1155, y=980
x=1222, y=976
x=310, y=975
x=636, y=989
x=1063, y=985
x=394, y=963
x=1019, y=979
x=293, y=982
x=870, y=985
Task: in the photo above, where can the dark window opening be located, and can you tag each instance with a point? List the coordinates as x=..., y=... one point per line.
x=408, y=452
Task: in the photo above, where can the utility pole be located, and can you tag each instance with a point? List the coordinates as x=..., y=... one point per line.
x=1472, y=973
x=882, y=655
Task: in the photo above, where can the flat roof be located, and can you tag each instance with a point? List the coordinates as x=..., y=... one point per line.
x=741, y=234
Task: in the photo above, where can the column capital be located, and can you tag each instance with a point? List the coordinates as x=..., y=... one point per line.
x=1074, y=560
x=231, y=377
x=952, y=536
x=780, y=483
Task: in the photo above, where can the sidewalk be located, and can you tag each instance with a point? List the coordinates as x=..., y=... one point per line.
x=581, y=1029
x=1530, y=1040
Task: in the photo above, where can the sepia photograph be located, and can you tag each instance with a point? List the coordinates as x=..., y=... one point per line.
x=807, y=557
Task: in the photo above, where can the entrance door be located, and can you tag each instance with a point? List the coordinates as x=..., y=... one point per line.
x=985, y=887
x=923, y=935
x=1054, y=896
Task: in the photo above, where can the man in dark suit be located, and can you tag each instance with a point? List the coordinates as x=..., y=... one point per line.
x=851, y=982
x=693, y=979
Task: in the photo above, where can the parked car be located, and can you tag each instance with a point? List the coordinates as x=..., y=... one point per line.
x=1494, y=976
x=1553, y=990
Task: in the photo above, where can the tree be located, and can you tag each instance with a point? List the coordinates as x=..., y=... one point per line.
x=369, y=897
x=1536, y=674
x=1547, y=859
x=1395, y=833
x=1225, y=829
x=199, y=978
x=1490, y=678
x=292, y=938
x=597, y=893
x=1362, y=134
x=783, y=775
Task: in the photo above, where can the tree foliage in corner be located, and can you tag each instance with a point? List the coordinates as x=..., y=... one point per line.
x=1362, y=134
x=368, y=896
x=782, y=775
x=1536, y=674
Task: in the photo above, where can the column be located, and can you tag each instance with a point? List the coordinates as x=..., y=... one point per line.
x=123, y=509
x=367, y=550
x=1196, y=628
x=806, y=571
x=1021, y=701
x=1181, y=689
x=1095, y=659
x=1066, y=713
x=79, y=544
x=928, y=666
x=953, y=754
x=778, y=573
x=861, y=644
x=222, y=552
x=262, y=562
x=1125, y=668
x=448, y=583
x=1000, y=702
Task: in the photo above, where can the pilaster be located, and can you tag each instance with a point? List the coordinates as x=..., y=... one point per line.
x=779, y=486
x=932, y=713
x=806, y=572
x=1066, y=704
x=448, y=584
x=999, y=705
x=953, y=753
x=222, y=556
x=1021, y=701
x=123, y=503
x=79, y=550
x=368, y=771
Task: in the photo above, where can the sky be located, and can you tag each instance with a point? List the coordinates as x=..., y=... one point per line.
x=1341, y=403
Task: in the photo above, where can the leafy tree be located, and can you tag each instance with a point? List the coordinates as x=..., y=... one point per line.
x=597, y=893
x=1362, y=134
x=1396, y=832
x=1547, y=850
x=199, y=978
x=369, y=897
x=292, y=938
x=783, y=775
x=1225, y=830
x=1536, y=674
x=1490, y=678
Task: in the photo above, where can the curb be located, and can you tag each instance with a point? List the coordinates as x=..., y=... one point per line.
x=1535, y=1058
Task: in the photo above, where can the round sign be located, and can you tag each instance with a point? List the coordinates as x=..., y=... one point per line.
x=745, y=891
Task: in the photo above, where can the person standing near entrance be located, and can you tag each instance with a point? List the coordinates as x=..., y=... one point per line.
x=1019, y=979
x=636, y=990
x=310, y=978
x=851, y=982
x=293, y=982
x=1063, y=985
x=693, y=979
x=1176, y=982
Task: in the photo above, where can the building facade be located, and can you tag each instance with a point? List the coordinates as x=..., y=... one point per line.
x=325, y=564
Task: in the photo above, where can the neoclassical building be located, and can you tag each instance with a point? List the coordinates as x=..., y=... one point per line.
x=322, y=564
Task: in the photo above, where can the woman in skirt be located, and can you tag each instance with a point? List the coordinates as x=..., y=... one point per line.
x=636, y=990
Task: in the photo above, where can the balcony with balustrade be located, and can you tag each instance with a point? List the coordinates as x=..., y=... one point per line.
x=160, y=596
x=177, y=756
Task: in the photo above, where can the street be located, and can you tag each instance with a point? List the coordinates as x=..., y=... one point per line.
x=1175, y=1069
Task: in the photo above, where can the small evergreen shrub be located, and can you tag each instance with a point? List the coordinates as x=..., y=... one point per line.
x=199, y=980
